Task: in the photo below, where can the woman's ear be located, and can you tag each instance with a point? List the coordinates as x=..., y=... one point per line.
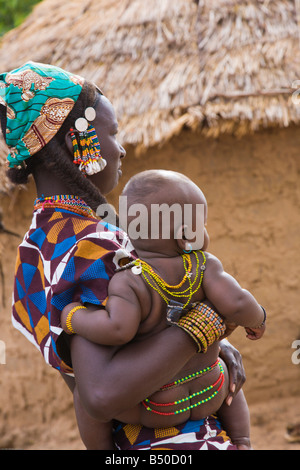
x=68, y=142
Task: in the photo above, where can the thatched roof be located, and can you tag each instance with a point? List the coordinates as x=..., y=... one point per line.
x=218, y=66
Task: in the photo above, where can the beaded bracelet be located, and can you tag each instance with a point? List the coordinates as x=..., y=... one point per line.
x=265, y=317
x=69, y=318
x=202, y=323
x=263, y=322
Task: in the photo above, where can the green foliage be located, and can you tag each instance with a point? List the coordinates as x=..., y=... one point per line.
x=13, y=12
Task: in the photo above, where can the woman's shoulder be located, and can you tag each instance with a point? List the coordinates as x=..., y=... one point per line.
x=105, y=242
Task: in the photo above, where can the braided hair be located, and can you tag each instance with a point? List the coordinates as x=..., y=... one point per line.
x=54, y=156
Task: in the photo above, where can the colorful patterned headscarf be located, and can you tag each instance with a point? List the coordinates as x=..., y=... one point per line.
x=38, y=98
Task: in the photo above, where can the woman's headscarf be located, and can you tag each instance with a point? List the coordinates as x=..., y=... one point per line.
x=38, y=98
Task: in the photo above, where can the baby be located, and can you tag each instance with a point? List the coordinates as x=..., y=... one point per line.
x=172, y=276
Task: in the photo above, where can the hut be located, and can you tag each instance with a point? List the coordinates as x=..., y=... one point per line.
x=208, y=88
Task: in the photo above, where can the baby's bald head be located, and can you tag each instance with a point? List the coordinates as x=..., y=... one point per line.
x=164, y=205
x=162, y=186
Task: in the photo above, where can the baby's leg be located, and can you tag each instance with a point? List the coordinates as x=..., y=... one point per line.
x=236, y=421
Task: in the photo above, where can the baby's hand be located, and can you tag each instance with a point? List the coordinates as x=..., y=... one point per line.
x=64, y=314
x=255, y=333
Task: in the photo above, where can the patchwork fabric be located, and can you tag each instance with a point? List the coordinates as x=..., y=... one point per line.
x=205, y=434
x=64, y=257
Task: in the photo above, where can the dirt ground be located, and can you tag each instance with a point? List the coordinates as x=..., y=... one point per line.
x=257, y=181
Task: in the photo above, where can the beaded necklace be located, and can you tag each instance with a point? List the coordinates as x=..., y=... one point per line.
x=219, y=382
x=162, y=287
x=72, y=203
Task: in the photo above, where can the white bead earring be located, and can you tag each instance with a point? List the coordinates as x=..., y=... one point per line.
x=86, y=149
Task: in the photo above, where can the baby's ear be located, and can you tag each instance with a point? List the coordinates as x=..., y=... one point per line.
x=181, y=239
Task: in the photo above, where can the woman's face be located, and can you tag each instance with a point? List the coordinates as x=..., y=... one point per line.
x=106, y=127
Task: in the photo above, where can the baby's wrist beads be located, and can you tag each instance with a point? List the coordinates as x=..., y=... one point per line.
x=69, y=318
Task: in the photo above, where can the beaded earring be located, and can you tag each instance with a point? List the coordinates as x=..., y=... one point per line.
x=86, y=148
x=188, y=247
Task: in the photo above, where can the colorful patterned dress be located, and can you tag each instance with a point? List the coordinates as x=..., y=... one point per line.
x=205, y=434
x=68, y=255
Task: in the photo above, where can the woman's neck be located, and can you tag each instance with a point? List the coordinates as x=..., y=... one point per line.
x=48, y=185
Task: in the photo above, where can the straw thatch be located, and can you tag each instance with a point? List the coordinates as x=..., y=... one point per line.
x=217, y=66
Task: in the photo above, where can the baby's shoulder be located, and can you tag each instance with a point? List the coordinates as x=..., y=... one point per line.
x=210, y=259
x=212, y=263
x=126, y=278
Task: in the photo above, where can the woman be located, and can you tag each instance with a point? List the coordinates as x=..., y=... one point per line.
x=53, y=122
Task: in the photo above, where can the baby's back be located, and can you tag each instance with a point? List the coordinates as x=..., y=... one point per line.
x=200, y=388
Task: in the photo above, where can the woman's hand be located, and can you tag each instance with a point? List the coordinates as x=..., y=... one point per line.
x=233, y=361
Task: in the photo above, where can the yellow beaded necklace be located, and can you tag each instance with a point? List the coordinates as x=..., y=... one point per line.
x=156, y=282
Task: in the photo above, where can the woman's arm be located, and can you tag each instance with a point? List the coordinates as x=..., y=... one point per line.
x=111, y=380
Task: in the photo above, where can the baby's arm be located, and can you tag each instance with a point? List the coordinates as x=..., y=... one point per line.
x=235, y=304
x=115, y=325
